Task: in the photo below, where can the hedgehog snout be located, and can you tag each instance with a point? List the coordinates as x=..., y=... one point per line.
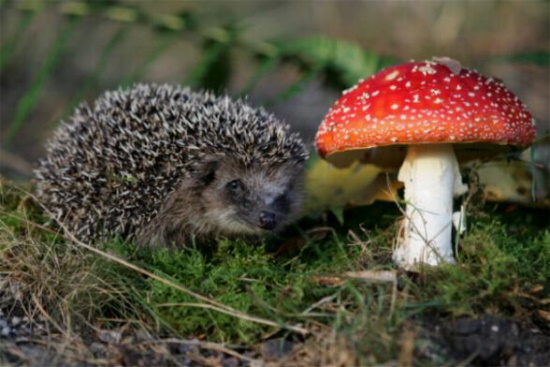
x=271, y=213
x=268, y=220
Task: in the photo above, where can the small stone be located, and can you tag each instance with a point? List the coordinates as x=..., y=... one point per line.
x=465, y=326
x=6, y=330
x=109, y=337
x=97, y=348
x=15, y=321
x=275, y=349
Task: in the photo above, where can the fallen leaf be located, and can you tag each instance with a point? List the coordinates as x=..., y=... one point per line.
x=332, y=188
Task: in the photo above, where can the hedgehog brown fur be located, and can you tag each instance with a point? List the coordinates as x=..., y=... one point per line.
x=160, y=164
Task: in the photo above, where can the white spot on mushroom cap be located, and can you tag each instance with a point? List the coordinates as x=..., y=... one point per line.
x=427, y=69
x=392, y=75
x=454, y=119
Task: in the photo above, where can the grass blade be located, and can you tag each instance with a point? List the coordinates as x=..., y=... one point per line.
x=29, y=99
x=7, y=51
x=539, y=58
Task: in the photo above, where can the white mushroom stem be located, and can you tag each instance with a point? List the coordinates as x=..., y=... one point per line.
x=432, y=178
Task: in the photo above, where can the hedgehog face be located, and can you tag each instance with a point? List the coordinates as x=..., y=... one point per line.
x=162, y=164
x=252, y=199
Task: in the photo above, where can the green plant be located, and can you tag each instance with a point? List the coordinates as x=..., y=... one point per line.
x=317, y=284
x=338, y=63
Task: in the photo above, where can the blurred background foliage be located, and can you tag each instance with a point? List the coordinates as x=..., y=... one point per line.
x=292, y=57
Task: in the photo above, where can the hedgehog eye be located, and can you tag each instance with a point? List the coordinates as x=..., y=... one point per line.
x=235, y=185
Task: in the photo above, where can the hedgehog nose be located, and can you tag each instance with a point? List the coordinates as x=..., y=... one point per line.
x=267, y=220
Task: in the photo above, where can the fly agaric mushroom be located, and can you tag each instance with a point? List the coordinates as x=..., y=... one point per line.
x=429, y=116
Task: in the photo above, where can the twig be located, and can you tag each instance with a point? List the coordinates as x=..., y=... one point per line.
x=46, y=315
x=211, y=303
x=205, y=345
x=318, y=303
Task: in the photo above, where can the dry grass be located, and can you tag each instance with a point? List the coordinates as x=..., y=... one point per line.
x=334, y=299
x=71, y=289
x=57, y=287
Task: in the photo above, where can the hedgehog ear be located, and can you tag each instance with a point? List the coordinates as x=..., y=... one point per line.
x=206, y=173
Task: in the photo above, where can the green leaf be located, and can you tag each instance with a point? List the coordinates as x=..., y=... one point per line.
x=339, y=214
x=214, y=69
x=173, y=23
x=539, y=58
x=344, y=62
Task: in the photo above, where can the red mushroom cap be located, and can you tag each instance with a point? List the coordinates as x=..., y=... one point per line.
x=425, y=103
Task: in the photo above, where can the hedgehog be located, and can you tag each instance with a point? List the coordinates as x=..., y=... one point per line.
x=164, y=165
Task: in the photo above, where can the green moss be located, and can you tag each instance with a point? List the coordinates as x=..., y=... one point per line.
x=242, y=276
x=502, y=257
x=495, y=267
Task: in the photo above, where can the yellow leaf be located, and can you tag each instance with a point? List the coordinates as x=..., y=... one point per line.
x=359, y=184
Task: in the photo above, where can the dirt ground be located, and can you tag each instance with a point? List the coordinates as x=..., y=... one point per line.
x=490, y=341
x=484, y=341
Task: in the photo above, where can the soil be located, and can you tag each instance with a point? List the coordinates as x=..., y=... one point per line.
x=29, y=342
x=483, y=341
x=490, y=341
